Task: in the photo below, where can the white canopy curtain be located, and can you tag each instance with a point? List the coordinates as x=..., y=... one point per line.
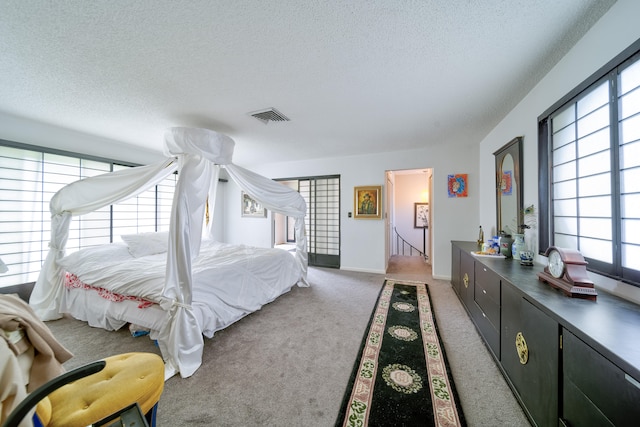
x=199, y=154
x=78, y=198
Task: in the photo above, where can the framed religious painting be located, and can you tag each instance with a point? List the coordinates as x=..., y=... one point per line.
x=367, y=202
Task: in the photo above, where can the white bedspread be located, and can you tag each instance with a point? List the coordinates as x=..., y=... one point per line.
x=229, y=281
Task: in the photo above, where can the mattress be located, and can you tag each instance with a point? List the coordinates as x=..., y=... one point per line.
x=111, y=287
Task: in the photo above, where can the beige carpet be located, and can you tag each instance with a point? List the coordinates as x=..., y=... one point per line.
x=288, y=364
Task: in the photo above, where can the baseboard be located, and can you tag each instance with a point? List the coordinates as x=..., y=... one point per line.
x=362, y=270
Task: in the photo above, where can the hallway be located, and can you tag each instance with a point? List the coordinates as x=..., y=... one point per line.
x=409, y=268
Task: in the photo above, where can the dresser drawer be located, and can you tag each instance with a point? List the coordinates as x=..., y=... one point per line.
x=487, y=329
x=488, y=281
x=488, y=305
x=590, y=377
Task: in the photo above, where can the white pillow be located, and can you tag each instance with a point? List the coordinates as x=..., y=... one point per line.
x=146, y=243
x=111, y=253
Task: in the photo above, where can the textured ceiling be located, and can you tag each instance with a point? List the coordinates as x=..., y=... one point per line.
x=353, y=76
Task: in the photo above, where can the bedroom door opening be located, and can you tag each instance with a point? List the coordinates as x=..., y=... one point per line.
x=409, y=197
x=322, y=223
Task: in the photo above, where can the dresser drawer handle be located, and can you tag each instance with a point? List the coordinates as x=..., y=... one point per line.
x=632, y=380
x=484, y=292
x=522, y=349
x=484, y=269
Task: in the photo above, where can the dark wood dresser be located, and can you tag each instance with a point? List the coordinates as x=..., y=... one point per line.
x=569, y=361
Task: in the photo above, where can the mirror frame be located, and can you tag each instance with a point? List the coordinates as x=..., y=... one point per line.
x=513, y=147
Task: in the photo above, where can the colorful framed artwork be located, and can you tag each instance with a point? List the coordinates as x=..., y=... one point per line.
x=457, y=185
x=367, y=202
x=506, y=183
x=251, y=208
x=421, y=215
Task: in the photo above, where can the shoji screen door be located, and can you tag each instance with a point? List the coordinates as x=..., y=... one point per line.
x=322, y=195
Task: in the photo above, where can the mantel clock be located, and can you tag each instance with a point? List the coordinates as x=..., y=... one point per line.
x=566, y=270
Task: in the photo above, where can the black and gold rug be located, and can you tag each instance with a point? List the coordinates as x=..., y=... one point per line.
x=401, y=377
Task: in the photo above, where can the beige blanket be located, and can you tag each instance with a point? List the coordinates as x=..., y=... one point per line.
x=12, y=390
x=49, y=353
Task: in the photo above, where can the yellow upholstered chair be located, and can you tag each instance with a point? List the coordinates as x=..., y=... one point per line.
x=113, y=384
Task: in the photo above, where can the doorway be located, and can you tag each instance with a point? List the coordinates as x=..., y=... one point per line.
x=409, y=207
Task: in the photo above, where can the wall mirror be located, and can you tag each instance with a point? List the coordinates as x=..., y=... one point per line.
x=509, y=187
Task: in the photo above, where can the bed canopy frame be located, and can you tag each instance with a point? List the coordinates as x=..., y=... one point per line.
x=198, y=155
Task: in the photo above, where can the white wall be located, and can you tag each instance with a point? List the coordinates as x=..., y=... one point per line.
x=363, y=241
x=613, y=33
x=17, y=129
x=239, y=229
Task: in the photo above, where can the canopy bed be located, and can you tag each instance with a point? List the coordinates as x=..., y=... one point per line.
x=192, y=286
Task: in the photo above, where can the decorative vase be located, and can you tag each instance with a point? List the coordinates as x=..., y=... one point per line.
x=518, y=245
x=506, y=242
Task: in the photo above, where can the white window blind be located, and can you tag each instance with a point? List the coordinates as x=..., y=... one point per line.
x=594, y=161
x=21, y=214
x=94, y=228
x=582, y=176
x=28, y=180
x=135, y=215
x=164, y=201
x=629, y=126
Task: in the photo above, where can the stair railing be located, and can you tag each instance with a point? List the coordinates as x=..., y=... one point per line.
x=402, y=245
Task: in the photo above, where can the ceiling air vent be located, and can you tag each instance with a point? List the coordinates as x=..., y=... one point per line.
x=271, y=114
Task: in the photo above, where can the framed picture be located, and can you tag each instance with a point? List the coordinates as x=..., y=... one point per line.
x=251, y=208
x=367, y=202
x=457, y=185
x=421, y=215
x=506, y=183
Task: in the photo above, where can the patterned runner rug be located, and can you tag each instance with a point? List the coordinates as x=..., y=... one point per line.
x=401, y=377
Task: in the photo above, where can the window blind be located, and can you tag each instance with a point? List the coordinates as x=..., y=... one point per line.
x=29, y=177
x=589, y=165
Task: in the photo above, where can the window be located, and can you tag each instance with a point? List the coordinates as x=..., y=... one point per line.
x=147, y=212
x=30, y=176
x=589, y=151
